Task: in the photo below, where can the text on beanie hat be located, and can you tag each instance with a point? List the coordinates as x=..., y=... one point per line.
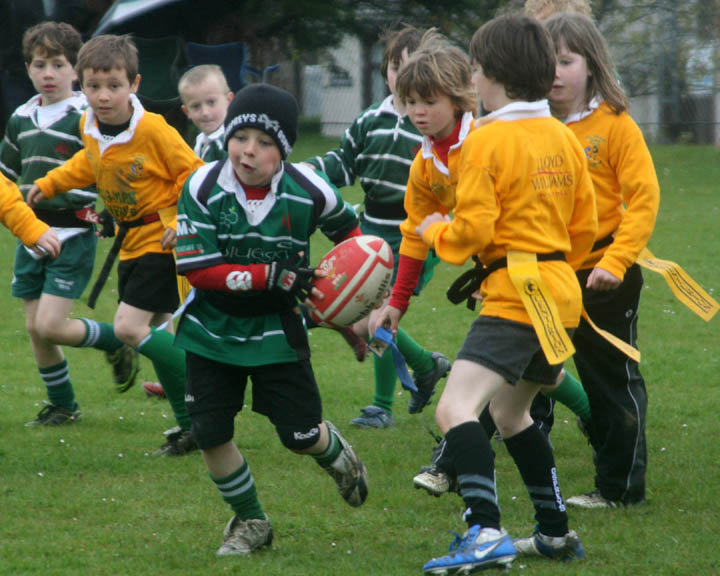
x=267, y=108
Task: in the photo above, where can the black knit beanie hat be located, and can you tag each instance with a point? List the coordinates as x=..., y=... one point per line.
x=267, y=108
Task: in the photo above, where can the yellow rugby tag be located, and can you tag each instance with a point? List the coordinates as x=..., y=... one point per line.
x=624, y=347
x=540, y=306
x=685, y=288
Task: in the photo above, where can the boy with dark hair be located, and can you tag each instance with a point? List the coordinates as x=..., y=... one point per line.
x=139, y=165
x=43, y=133
x=525, y=210
x=378, y=149
x=244, y=235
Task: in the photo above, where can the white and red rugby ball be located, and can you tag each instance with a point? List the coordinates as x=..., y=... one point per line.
x=359, y=272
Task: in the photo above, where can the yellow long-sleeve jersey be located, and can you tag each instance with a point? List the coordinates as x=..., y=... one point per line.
x=139, y=173
x=523, y=185
x=626, y=186
x=17, y=215
x=431, y=188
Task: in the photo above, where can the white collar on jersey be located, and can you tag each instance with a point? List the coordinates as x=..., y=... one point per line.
x=125, y=136
x=518, y=111
x=228, y=182
x=203, y=140
x=76, y=103
x=386, y=106
x=427, y=146
x=592, y=106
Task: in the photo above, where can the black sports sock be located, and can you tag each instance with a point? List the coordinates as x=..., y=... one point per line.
x=469, y=448
x=534, y=458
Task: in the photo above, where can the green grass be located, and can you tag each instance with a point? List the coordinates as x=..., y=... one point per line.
x=90, y=499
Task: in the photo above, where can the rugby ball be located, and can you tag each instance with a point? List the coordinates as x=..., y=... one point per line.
x=359, y=272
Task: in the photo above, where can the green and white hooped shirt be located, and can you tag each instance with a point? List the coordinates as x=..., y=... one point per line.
x=377, y=149
x=40, y=138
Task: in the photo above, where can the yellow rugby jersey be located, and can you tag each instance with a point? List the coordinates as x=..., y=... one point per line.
x=137, y=173
x=17, y=215
x=430, y=188
x=626, y=186
x=523, y=185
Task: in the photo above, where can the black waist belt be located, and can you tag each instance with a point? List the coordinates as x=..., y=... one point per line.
x=263, y=304
x=384, y=211
x=123, y=228
x=469, y=281
x=63, y=218
x=602, y=243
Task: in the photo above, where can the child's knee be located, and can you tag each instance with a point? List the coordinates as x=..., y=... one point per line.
x=212, y=430
x=298, y=438
x=510, y=420
x=31, y=328
x=129, y=332
x=443, y=416
x=48, y=329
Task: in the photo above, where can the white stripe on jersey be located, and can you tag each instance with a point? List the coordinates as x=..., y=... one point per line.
x=55, y=133
x=256, y=338
x=393, y=157
x=400, y=187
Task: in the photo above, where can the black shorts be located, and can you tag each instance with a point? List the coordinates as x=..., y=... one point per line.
x=286, y=393
x=510, y=348
x=149, y=282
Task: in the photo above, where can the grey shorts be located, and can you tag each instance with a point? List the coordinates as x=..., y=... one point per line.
x=509, y=348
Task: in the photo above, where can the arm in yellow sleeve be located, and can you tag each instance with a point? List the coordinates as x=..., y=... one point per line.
x=419, y=203
x=475, y=214
x=18, y=216
x=181, y=161
x=75, y=173
x=635, y=172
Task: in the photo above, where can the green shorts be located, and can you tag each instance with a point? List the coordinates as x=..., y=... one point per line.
x=393, y=236
x=66, y=276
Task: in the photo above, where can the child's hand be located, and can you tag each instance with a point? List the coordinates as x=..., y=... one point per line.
x=107, y=225
x=601, y=279
x=430, y=220
x=34, y=195
x=289, y=277
x=314, y=292
x=49, y=244
x=169, y=239
x=388, y=318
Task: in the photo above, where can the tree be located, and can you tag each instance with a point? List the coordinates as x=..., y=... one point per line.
x=655, y=43
x=458, y=19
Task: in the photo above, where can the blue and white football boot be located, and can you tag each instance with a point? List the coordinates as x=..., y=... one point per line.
x=478, y=549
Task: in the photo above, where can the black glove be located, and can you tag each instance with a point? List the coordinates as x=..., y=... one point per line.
x=108, y=224
x=288, y=277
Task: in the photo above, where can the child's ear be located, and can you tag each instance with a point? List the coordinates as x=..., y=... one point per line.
x=184, y=109
x=136, y=84
x=230, y=96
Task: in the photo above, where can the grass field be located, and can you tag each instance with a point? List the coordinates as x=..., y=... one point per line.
x=90, y=499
